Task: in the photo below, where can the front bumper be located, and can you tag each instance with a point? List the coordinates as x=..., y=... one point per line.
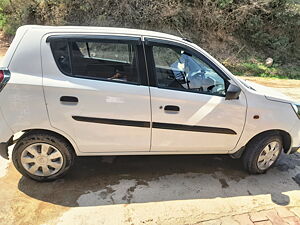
x=4, y=148
x=295, y=134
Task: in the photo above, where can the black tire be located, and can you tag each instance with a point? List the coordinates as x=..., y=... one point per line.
x=61, y=144
x=253, y=150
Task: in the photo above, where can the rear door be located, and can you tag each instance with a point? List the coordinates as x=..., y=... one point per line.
x=189, y=110
x=96, y=91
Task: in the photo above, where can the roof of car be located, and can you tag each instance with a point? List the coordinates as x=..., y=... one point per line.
x=111, y=30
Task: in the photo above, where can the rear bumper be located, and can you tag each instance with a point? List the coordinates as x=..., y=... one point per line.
x=4, y=148
x=6, y=137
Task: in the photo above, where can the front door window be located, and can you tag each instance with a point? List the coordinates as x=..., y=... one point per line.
x=176, y=68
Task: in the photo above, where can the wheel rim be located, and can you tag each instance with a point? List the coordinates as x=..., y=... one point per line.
x=268, y=155
x=42, y=159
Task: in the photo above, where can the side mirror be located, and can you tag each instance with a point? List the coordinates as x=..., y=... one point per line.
x=233, y=92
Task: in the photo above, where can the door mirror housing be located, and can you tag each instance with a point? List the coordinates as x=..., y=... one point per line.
x=233, y=92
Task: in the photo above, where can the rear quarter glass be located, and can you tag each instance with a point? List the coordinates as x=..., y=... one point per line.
x=13, y=46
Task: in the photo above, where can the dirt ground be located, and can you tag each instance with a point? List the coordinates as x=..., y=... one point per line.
x=194, y=189
x=4, y=44
x=171, y=190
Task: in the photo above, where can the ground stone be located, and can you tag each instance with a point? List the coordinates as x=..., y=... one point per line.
x=296, y=211
x=229, y=220
x=284, y=212
x=243, y=219
x=263, y=223
x=258, y=216
x=212, y=222
x=275, y=218
x=292, y=220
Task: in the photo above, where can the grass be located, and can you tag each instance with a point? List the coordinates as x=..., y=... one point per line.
x=259, y=69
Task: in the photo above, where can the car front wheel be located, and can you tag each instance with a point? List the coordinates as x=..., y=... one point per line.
x=261, y=153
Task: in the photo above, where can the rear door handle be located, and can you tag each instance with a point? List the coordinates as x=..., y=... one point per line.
x=69, y=99
x=173, y=108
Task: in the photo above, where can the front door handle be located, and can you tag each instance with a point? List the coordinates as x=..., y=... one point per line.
x=173, y=108
x=69, y=99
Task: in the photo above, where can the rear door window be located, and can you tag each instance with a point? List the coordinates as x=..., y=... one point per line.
x=99, y=59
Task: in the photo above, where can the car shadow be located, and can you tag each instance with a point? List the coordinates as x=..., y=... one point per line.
x=97, y=181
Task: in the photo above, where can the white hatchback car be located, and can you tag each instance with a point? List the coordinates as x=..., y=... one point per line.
x=92, y=91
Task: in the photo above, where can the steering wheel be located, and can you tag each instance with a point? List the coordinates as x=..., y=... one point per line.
x=200, y=74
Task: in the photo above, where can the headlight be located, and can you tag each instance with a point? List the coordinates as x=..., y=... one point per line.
x=297, y=109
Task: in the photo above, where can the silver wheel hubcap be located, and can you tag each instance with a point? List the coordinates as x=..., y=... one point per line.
x=42, y=159
x=268, y=155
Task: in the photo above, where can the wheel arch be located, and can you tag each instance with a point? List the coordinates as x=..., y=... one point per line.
x=52, y=132
x=286, y=138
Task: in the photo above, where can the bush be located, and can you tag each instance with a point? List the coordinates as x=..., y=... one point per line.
x=261, y=70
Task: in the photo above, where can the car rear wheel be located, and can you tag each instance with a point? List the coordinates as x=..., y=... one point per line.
x=261, y=153
x=43, y=157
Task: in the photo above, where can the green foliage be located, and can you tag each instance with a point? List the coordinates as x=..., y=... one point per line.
x=261, y=70
x=2, y=15
x=224, y=3
x=2, y=20
x=276, y=29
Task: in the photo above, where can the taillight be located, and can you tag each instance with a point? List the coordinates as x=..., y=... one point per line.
x=1, y=76
x=4, y=77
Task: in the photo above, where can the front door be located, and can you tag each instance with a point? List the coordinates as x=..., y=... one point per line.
x=96, y=91
x=189, y=110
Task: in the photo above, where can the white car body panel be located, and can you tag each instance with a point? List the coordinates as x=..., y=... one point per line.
x=196, y=110
x=30, y=100
x=98, y=99
x=22, y=99
x=5, y=130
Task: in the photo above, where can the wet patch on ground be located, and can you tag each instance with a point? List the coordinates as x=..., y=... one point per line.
x=91, y=174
